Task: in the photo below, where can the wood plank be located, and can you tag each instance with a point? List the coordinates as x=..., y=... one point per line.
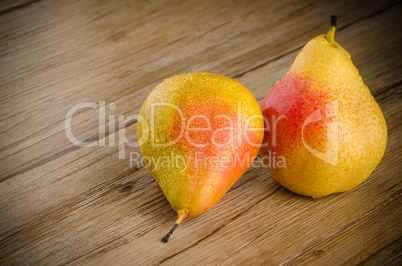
x=280, y=69
x=389, y=255
x=118, y=210
x=77, y=80
x=355, y=242
x=63, y=204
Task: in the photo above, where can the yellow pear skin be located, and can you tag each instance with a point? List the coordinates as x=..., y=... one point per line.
x=324, y=121
x=199, y=139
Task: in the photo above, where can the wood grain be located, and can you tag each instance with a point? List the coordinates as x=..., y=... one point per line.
x=61, y=204
x=13, y=5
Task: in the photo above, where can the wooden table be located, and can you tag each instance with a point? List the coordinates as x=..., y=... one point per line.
x=62, y=204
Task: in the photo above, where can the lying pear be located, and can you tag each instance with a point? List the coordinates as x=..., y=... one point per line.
x=198, y=134
x=323, y=120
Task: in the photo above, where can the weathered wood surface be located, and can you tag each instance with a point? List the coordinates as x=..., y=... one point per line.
x=60, y=203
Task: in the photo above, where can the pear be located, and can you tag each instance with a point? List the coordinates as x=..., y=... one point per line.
x=198, y=133
x=323, y=121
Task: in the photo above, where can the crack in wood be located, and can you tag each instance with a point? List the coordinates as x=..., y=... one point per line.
x=341, y=230
x=11, y=9
x=388, y=88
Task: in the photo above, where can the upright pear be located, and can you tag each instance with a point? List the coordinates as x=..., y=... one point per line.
x=323, y=120
x=198, y=134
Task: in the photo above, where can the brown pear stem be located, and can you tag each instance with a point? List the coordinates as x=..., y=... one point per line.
x=182, y=213
x=333, y=20
x=166, y=237
x=331, y=33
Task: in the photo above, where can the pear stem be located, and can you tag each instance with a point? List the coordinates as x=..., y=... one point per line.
x=182, y=213
x=331, y=33
x=165, y=239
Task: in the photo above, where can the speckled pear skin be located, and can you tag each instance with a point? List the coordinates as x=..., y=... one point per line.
x=195, y=189
x=323, y=73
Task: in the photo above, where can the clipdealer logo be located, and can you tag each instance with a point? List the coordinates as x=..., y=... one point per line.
x=330, y=155
x=236, y=128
